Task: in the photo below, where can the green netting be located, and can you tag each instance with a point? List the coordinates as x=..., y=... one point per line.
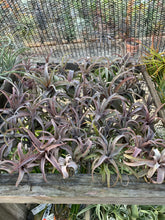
x=83, y=27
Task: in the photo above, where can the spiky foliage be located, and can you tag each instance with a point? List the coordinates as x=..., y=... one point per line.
x=60, y=120
x=155, y=65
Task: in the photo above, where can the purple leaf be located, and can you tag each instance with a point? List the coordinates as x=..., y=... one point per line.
x=100, y=161
x=8, y=145
x=53, y=161
x=116, y=140
x=89, y=142
x=33, y=138
x=42, y=166
x=20, y=152
x=20, y=176
x=136, y=151
x=117, y=150
x=53, y=146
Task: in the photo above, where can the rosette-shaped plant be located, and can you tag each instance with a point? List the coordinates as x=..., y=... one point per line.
x=156, y=164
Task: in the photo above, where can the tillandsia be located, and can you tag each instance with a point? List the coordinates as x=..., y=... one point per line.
x=66, y=164
x=124, y=212
x=155, y=63
x=155, y=164
x=105, y=153
x=155, y=66
x=58, y=120
x=24, y=164
x=10, y=57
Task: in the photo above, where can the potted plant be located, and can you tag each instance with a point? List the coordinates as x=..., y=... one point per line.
x=132, y=45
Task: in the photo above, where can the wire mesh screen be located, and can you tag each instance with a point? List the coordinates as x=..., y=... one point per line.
x=83, y=27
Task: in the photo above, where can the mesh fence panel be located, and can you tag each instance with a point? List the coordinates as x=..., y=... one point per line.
x=83, y=27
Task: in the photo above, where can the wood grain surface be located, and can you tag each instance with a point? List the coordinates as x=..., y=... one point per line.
x=79, y=189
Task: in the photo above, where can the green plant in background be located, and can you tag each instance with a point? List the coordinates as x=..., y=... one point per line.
x=10, y=65
x=155, y=66
x=124, y=212
x=18, y=25
x=27, y=26
x=105, y=212
x=73, y=211
x=161, y=90
x=9, y=57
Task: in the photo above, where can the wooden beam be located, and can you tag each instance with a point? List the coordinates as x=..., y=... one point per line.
x=79, y=189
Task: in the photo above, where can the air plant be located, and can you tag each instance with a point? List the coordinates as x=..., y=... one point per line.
x=142, y=144
x=21, y=107
x=155, y=164
x=155, y=66
x=23, y=165
x=148, y=116
x=66, y=164
x=125, y=118
x=105, y=151
x=124, y=212
x=102, y=109
x=93, y=117
x=9, y=112
x=9, y=57
x=46, y=146
x=43, y=77
x=155, y=63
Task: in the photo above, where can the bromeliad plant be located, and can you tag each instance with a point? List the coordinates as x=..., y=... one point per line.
x=10, y=58
x=10, y=65
x=155, y=164
x=155, y=66
x=105, y=153
x=89, y=120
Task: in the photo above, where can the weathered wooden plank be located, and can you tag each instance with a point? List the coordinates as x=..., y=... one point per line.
x=79, y=189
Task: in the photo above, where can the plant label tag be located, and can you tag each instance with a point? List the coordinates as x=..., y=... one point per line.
x=51, y=217
x=47, y=211
x=38, y=209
